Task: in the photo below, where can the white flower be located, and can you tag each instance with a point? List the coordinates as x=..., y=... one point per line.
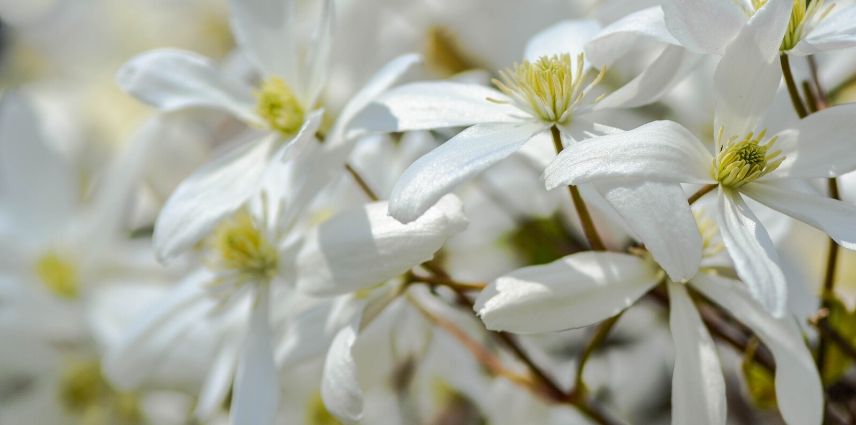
x=254, y=258
x=548, y=92
x=747, y=161
x=584, y=289
x=800, y=27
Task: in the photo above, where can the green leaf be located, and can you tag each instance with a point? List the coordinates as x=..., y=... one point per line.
x=843, y=322
x=759, y=380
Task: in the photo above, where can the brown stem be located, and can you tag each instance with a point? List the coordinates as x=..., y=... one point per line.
x=596, y=341
x=701, y=192
x=579, y=204
x=362, y=183
x=792, y=86
x=446, y=281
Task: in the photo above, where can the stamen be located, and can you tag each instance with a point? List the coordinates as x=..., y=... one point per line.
x=804, y=17
x=711, y=244
x=279, y=107
x=746, y=160
x=549, y=88
x=240, y=248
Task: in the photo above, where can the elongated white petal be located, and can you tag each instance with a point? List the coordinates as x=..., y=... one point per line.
x=218, y=382
x=306, y=337
x=340, y=389
x=264, y=30
x=170, y=80
x=823, y=145
x=319, y=61
x=836, y=218
x=430, y=105
x=798, y=389
x=462, y=157
x=661, y=151
x=659, y=215
x=698, y=388
x=365, y=246
x=837, y=31
x=128, y=363
x=381, y=81
x=668, y=69
x=752, y=251
x=748, y=75
x=706, y=26
x=575, y=291
x=214, y=191
x=36, y=183
x=618, y=38
x=256, y=391
x=563, y=37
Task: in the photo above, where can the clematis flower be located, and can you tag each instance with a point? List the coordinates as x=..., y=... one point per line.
x=747, y=161
x=708, y=26
x=246, y=284
x=292, y=67
x=541, y=299
x=549, y=92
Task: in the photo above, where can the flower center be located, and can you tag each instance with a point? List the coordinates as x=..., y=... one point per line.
x=58, y=274
x=742, y=161
x=240, y=247
x=279, y=107
x=84, y=391
x=549, y=88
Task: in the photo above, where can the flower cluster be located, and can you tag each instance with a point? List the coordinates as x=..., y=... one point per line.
x=390, y=212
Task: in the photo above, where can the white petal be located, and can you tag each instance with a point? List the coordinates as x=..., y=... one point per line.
x=706, y=26
x=619, y=37
x=380, y=81
x=747, y=77
x=364, y=247
x=129, y=363
x=752, y=251
x=306, y=337
x=798, y=389
x=319, y=61
x=563, y=37
x=36, y=182
x=660, y=150
x=836, y=218
x=698, y=388
x=171, y=79
x=212, y=192
x=340, y=389
x=430, y=105
x=264, y=30
x=462, y=157
x=218, y=382
x=659, y=215
x=836, y=32
x=823, y=146
x=575, y=291
x=256, y=390
x=668, y=69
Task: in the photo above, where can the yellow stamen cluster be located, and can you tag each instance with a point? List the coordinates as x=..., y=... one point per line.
x=85, y=392
x=549, y=88
x=803, y=18
x=58, y=274
x=279, y=107
x=241, y=247
x=804, y=15
x=742, y=161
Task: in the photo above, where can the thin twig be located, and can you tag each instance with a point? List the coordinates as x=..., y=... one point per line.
x=362, y=183
x=792, y=86
x=586, y=221
x=701, y=192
